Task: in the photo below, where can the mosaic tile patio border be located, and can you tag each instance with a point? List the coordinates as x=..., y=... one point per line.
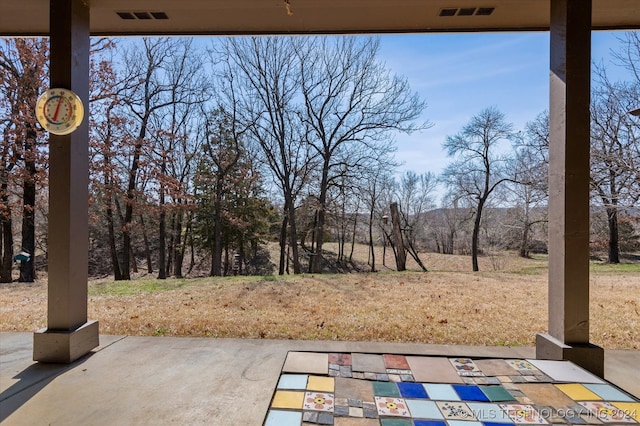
x=371, y=389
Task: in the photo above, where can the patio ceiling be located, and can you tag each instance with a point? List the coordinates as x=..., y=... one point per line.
x=156, y=17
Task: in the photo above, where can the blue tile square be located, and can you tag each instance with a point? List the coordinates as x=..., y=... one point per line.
x=293, y=381
x=428, y=423
x=283, y=418
x=470, y=393
x=495, y=424
x=441, y=392
x=424, y=409
x=412, y=390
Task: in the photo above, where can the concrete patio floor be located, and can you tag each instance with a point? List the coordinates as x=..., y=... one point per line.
x=165, y=380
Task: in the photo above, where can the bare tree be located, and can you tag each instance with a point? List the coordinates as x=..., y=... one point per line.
x=530, y=167
x=376, y=182
x=108, y=137
x=628, y=55
x=262, y=80
x=415, y=194
x=23, y=71
x=223, y=150
x=147, y=90
x=479, y=167
x=187, y=88
x=352, y=103
x=615, y=142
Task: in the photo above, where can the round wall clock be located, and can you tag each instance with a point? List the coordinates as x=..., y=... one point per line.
x=59, y=111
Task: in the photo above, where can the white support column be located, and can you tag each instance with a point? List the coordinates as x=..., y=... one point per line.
x=569, y=169
x=68, y=335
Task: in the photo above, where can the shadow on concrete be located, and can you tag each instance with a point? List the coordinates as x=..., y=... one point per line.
x=32, y=380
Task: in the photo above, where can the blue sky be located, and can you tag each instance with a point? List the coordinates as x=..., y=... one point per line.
x=461, y=74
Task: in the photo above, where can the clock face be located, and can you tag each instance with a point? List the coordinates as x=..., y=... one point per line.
x=59, y=111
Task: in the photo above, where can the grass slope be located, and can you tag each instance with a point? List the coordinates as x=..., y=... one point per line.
x=448, y=305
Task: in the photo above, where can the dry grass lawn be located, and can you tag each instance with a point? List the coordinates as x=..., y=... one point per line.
x=448, y=305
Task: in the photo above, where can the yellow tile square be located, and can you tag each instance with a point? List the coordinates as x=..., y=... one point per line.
x=288, y=399
x=321, y=384
x=578, y=392
x=631, y=409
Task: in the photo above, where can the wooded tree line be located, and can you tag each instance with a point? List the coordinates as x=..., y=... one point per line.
x=202, y=153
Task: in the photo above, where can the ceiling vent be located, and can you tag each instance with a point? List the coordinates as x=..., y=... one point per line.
x=126, y=15
x=142, y=15
x=485, y=11
x=466, y=11
x=159, y=15
x=448, y=12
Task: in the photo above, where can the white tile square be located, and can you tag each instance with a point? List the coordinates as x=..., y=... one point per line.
x=306, y=362
x=565, y=371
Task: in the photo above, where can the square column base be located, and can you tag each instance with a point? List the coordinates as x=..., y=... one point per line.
x=65, y=346
x=588, y=356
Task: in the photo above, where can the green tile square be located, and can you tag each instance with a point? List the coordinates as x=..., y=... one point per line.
x=386, y=389
x=395, y=422
x=496, y=393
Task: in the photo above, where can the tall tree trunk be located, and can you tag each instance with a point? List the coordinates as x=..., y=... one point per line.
x=6, y=234
x=371, y=246
x=131, y=187
x=125, y=253
x=398, y=246
x=216, y=255
x=342, y=237
x=113, y=250
x=179, y=245
x=171, y=246
x=115, y=263
x=192, y=245
x=109, y=199
x=524, y=243
x=283, y=243
x=293, y=232
x=475, y=236
x=147, y=247
x=288, y=254
x=242, y=255
x=319, y=229
x=353, y=235
x=162, y=231
x=614, y=245
x=385, y=239
x=27, y=268
x=319, y=240
x=312, y=249
x=293, y=238
x=162, y=246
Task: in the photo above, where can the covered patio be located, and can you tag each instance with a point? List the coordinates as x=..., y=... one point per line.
x=70, y=335
x=167, y=380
